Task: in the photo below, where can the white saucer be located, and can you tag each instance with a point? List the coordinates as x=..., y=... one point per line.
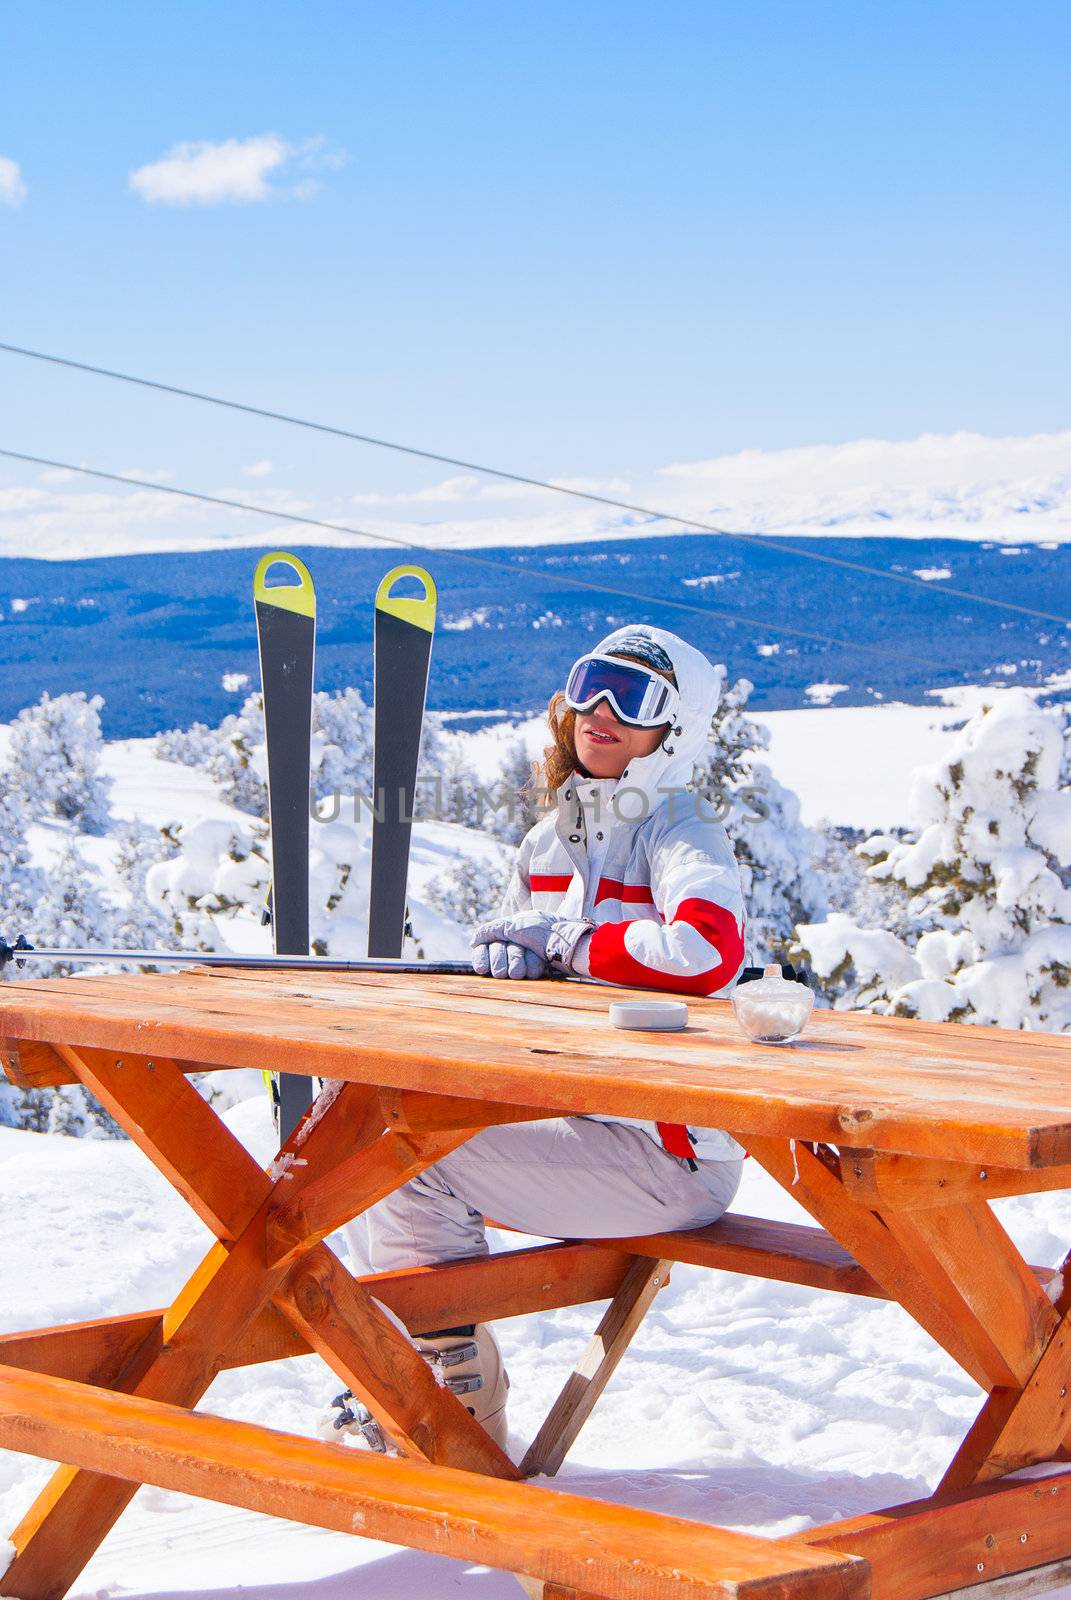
x=660, y=1015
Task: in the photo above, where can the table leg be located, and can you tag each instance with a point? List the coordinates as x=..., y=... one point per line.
x=1022, y=1425
x=819, y=1189
x=956, y=1271
x=166, y=1116
x=596, y=1367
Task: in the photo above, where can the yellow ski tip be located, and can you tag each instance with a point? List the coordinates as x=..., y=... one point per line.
x=299, y=597
x=419, y=612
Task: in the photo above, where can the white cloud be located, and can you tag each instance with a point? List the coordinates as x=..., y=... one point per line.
x=197, y=172
x=12, y=189
x=1012, y=491
x=258, y=469
x=469, y=488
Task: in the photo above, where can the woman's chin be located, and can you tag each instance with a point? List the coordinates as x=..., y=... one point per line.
x=603, y=761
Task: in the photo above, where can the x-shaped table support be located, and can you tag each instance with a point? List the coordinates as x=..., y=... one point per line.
x=950, y=1265
x=954, y=1269
x=356, y=1146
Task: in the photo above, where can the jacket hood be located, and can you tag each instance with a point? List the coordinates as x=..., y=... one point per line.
x=699, y=686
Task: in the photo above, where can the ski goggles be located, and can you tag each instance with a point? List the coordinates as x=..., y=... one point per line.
x=634, y=694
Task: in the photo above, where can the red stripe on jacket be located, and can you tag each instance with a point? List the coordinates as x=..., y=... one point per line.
x=550, y=882
x=637, y=894
x=609, y=957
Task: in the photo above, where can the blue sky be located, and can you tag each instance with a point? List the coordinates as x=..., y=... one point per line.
x=579, y=239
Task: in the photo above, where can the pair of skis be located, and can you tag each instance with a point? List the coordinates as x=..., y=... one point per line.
x=286, y=636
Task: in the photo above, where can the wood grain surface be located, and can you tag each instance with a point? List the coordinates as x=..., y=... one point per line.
x=940, y=1090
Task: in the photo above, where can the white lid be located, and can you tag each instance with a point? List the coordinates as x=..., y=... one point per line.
x=653, y=1014
x=772, y=985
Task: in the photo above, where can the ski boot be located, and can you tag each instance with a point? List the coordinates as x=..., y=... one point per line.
x=467, y=1361
x=348, y=1418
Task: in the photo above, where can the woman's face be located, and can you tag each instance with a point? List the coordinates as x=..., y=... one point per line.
x=605, y=745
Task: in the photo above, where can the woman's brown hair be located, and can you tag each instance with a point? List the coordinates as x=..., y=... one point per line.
x=559, y=757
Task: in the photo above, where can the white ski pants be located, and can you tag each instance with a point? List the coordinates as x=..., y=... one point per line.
x=566, y=1178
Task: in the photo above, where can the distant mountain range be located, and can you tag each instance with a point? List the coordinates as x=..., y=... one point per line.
x=169, y=638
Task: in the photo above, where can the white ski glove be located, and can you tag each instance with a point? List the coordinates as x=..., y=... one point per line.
x=553, y=940
x=500, y=959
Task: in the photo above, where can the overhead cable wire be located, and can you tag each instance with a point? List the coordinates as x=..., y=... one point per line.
x=454, y=554
x=777, y=543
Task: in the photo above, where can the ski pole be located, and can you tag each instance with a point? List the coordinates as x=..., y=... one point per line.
x=20, y=952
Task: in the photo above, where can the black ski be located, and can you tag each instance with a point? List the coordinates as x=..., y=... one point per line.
x=403, y=637
x=286, y=635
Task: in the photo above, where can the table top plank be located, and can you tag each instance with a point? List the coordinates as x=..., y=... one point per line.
x=895, y=1084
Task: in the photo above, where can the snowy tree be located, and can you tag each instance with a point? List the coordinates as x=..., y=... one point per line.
x=505, y=806
x=22, y=889
x=239, y=762
x=775, y=851
x=867, y=901
x=235, y=754
x=342, y=746
x=54, y=760
x=218, y=875
x=990, y=934
x=732, y=742
x=71, y=912
x=188, y=747
x=73, y=1110
x=471, y=891
x=139, y=922
x=22, y=886
x=520, y=809
x=74, y=913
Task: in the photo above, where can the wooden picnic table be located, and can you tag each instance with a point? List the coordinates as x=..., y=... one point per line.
x=894, y=1134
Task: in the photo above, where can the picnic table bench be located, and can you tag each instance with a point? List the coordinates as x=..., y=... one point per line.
x=894, y=1134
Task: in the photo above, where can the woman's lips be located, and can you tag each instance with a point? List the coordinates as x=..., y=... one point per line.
x=601, y=736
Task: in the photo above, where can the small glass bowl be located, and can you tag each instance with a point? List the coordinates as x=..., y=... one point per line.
x=772, y=1010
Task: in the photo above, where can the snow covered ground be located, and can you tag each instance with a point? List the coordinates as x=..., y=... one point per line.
x=747, y=1404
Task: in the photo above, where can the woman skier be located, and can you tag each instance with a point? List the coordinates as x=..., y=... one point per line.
x=623, y=881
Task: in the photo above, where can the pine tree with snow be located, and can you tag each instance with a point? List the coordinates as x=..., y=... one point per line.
x=866, y=901
x=22, y=890
x=54, y=762
x=341, y=746
x=217, y=875
x=74, y=912
x=22, y=886
x=73, y=1111
x=239, y=761
x=732, y=743
x=235, y=754
x=990, y=935
x=775, y=853
x=472, y=890
x=762, y=818
x=454, y=791
x=520, y=807
x=139, y=922
x=189, y=747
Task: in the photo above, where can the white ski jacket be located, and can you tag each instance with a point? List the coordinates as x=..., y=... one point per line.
x=649, y=864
